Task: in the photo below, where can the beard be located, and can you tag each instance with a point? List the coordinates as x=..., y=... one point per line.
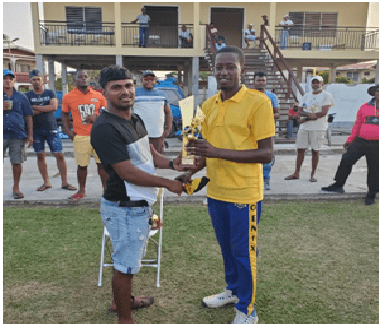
x=123, y=108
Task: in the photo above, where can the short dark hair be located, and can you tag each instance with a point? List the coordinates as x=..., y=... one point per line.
x=233, y=49
x=259, y=74
x=77, y=72
x=112, y=73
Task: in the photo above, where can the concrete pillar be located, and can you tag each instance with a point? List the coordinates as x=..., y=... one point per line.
x=190, y=72
x=195, y=81
x=119, y=60
x=332, y=74
x=64, y=79
x=180, y=76
x=299, y=73
x=185, y=78
x=40, y=65
x=272, y=23
x=51, y=75
x=196, y=18
x=117, y=25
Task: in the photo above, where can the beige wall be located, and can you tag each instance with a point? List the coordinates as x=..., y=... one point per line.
x=349, y=13
x=57, y=11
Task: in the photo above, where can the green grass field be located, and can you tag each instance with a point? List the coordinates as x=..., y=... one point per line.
x=318, y=263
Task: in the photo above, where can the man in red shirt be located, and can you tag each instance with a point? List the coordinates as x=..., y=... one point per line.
x=84, y=103
x=293, y=116
x=363, y=141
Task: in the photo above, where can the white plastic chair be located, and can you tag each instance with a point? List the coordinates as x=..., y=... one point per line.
x=155, y=263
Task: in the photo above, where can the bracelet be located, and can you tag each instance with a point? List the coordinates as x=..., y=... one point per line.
x=171, y=164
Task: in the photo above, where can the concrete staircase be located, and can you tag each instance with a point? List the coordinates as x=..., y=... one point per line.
x=259, y=60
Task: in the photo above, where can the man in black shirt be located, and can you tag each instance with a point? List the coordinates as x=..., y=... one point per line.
x=120, y=140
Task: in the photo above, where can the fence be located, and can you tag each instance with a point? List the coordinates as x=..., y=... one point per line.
x=330, y=38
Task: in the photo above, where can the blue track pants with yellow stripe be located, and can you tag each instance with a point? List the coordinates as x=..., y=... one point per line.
x=236, y=228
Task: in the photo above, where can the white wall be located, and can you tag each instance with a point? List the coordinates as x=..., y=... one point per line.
x=347, y=99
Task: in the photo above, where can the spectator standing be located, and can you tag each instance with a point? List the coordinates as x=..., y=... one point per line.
x=120, y=139
x=249, y=35
x=44, y=103
x=238, y=129
x=152, y=106
x=17, y=128
x=220, y=43
x=313, y=125
x=186, y=38
x=363, y=141
x=214, y=32
x=84, y=104
x=260, y=83
x=286, y=23
x=143, y=27
x=293, y=116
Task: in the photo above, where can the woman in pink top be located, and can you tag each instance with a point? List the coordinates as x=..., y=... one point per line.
x=363, y=141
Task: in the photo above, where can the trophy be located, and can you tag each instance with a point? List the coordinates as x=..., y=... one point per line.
x=191, y=128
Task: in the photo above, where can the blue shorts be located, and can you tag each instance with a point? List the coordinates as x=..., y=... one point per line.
x=51, y=137
x=129, y=232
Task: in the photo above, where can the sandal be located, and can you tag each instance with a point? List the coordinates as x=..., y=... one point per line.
x=291, y=177
x=43, y=187
x=138, y=302
x=68, y=187
x=18, y=195
x=142, y=302
x=76, y=197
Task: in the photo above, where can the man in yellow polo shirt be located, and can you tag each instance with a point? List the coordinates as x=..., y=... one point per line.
x=238, y=129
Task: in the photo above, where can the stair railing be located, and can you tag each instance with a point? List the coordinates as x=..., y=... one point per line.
x=292, y=82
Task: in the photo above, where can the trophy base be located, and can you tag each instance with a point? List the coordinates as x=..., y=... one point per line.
x=188, y=161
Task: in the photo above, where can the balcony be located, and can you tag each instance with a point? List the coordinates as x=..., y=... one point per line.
x=103, y=34
x=330, y=38
x=68, y=33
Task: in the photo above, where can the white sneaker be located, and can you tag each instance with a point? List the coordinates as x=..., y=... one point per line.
x=220, y=300
x=242, y=318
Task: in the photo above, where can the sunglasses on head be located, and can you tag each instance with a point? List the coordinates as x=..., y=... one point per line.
x=147, y=78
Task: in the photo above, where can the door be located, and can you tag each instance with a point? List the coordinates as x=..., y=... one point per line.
x=229, y=23
x=164, y=24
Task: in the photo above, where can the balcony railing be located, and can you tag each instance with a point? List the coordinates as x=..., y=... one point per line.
x=158, y=36
x=329, y=38
x=80, y=33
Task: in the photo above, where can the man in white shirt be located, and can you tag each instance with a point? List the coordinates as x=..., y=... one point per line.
x=186, y=38
x=249, y=35
x=284, y=33
x=143, y=27
x=313, y=125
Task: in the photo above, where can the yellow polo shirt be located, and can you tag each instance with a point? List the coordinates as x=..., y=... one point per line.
x=237, y=124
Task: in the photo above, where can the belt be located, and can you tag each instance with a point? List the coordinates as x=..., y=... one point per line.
x=133, y=203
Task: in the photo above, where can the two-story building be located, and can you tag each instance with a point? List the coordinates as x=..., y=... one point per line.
x=92, y=35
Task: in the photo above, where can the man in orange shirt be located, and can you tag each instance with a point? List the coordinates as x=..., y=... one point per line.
x=84, y=104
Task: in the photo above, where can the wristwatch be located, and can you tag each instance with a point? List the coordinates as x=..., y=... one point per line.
x=171, y=164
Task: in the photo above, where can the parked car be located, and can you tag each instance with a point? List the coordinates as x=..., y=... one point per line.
x=174, y=95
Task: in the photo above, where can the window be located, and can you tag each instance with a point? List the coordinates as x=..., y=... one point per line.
x=84, y=18
x=338, y=73
x=366, y=73
x=352, y=75
x=320, y=24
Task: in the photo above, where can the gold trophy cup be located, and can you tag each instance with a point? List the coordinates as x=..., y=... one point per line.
x=191, y=128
